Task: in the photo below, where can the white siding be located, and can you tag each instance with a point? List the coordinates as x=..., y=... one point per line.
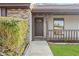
x=50, y=23
x=70, y=22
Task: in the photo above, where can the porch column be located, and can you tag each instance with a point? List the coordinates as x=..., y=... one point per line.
x=0, y=11
x=46, y=26
x=30, y=22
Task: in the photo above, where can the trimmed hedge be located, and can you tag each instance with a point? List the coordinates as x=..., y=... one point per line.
x=13, y=34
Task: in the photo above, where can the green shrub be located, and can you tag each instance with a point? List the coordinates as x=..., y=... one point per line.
x=13, y=33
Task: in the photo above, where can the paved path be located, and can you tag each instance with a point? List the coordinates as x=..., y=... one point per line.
x=39, y=48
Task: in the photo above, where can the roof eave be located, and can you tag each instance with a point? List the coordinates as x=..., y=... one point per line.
x=15, y=5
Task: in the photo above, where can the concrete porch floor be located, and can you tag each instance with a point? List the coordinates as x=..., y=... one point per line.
x=39, y=48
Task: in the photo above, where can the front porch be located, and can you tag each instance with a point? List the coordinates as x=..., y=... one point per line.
x=69, y=32
x=68, y=36
x=55, y=23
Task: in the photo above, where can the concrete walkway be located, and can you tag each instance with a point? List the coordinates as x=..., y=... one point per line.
x=39, y=48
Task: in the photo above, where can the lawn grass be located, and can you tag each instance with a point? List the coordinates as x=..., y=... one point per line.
x=64, y=49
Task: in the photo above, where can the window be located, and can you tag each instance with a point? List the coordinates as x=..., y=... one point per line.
x=3, y=11
x=58, y=25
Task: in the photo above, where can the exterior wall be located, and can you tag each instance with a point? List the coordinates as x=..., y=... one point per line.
x=22, y=13
x=71, y=22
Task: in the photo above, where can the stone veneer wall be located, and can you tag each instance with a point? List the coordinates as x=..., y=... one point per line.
x=22, y=13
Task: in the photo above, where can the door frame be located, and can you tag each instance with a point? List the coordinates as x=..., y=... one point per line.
x=34, y=25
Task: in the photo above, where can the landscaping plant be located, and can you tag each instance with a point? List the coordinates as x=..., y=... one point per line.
x=13, y=35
